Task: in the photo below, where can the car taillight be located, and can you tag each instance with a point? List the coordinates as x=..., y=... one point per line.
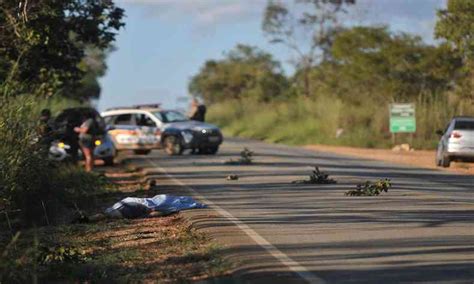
x=456, y=135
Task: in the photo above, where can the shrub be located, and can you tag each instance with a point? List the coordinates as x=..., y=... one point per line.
x=28, y=180
x=24, y=171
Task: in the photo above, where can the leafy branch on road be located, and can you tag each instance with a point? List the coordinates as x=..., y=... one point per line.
x=245, y=158
x=317, y=177
x=232, y=177
x=371, y=188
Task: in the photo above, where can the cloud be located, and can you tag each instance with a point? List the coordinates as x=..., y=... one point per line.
x=201, y=12
x=417, y=17
x=412, y=16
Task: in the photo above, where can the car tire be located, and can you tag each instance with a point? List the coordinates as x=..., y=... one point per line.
x=109, y=161
x=141, y=152
x=445, y=161
x=172, y=146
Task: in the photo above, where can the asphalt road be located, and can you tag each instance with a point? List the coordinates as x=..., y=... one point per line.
x=422, y=230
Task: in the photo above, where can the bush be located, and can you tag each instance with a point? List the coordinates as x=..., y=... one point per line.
x=28, y=180
x=23, y=168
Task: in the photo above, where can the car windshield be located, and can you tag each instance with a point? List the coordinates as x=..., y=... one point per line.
x=464, y=125
x=170, y=116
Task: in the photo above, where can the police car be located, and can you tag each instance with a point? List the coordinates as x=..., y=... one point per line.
x=143, y=128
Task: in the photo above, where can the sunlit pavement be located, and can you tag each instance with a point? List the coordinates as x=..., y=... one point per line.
x=422, y=230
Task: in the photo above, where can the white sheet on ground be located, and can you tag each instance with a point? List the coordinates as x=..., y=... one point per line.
x=133, y=207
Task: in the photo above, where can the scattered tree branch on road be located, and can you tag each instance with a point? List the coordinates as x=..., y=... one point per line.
x=317, y=177
x=371, y=188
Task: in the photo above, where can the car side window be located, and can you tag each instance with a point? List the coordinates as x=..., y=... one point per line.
x=144, y=120
x=124, y=119
x=109, y=120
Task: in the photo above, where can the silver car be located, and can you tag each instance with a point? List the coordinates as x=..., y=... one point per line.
x=457, y=142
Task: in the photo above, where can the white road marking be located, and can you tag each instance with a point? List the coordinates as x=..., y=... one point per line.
x=294, y=266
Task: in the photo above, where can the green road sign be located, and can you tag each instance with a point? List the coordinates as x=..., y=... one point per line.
x=402, y=118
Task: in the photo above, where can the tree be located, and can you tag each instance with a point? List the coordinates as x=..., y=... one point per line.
x=456, y=26
x=42, y=43
x=371, y=61
x=93, y=67
x=245, y=72
x=313, y=22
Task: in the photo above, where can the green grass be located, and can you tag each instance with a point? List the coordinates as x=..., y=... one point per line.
x=316, y=121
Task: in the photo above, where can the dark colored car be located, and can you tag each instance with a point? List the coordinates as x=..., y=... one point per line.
x=65, y=140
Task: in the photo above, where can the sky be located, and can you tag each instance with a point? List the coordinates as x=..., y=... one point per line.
x=166, y=42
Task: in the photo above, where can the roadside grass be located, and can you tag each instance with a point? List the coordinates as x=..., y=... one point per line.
x=160, y=249
x=329, y=120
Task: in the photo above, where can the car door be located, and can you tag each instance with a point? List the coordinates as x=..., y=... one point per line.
x=124, y=134
x=149, y=132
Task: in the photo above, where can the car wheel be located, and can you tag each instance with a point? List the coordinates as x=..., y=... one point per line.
x=172, y=146
x=445, y=161
x=141, y=152
x=109, y=161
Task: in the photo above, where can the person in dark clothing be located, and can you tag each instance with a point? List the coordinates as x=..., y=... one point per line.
x=198, y=111
x=45, y=128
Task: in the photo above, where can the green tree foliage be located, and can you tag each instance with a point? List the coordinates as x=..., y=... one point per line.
x=42, y=43
x=93, y=67
x=456, y=26
x=391, y=67
x=369, y=68
x=245, y=72
x=307, y=29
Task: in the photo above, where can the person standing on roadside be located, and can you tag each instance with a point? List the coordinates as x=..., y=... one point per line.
x=86, y=139
x=45, y=128
x=198, y=111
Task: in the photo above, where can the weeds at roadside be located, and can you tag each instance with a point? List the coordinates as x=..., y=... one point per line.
x=245, y=158
x=316, y=177
x=62, y=254
x=371, y=188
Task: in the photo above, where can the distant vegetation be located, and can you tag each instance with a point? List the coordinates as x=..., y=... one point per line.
x=345, y=78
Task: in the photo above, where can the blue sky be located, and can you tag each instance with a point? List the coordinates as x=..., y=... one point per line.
x=165, y=42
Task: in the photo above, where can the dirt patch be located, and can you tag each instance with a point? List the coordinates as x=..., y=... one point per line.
x=422, y=158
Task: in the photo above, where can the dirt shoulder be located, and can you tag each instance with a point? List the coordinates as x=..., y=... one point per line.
x=421, y=158
x=163, y=249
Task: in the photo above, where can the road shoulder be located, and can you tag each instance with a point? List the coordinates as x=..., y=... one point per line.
x=417, y=158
